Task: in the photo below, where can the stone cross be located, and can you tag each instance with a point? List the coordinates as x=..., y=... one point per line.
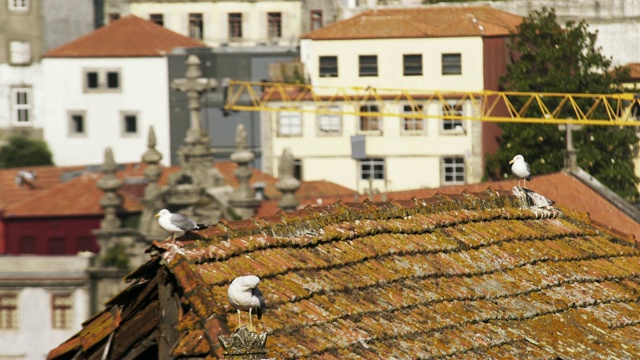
x=193, y=85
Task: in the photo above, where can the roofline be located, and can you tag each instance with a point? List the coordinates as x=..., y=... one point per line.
x=605, y=192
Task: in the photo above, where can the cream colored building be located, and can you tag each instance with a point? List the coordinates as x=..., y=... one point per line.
x=413, y=49
x=232, y=23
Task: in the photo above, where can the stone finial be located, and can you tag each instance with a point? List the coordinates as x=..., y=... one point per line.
x=287, y=184
x=243, y=199
x=244, y=344
x=152, y=172
x=111, y=201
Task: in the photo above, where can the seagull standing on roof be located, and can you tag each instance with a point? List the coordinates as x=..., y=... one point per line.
x=176, y=224
x=521, y=169
x=244, y=295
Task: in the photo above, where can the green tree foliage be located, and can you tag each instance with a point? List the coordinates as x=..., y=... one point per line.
x=552, y=58
x=23, y=151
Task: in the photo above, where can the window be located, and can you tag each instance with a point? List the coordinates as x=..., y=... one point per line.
x=113, y=17
x=368, y=65
x=20, y=53
x=297, y=169
x=28, y=245
x=235, y=25
x=330, y=124
x=57, y=246
x=21, y=104
x=62, y=311
x=129, y=123
x=8, y=311
x=453, y=108
x=369, y=122
x=451, y=64
x=77, y=125
x=275, y=25
x=412, y=64
x=85, y=243
x=157, y=19
x=290, y=124
x=328, y=66
x=18, y=5
x=102, y=80
x=412, y=123
x=372, y=169
x=316, y=19
x=195, y=26
x=453, y=170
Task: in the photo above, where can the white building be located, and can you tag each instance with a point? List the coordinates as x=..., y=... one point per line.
x=43, y=302
x=435, y=48
x=106, y=89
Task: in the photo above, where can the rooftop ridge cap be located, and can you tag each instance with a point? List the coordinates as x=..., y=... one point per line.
x=311, y=220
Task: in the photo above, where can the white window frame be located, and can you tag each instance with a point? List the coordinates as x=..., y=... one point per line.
x=71, y=124
x=456, y=126
x=371, y=163
x=409, y=110
x=18, y=5
x=19, y=52
x=62, y=306
x=17, y=109
x=102, y=77
x=289, y=123
x=330, y=124
x=451, y=166
x=9, y=311
x=123, y=123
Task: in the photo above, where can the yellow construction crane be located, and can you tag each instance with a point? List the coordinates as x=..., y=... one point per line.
x=493, y=106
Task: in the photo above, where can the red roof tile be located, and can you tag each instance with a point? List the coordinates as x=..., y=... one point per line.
x=423, y=22
x=129, y=36
x=471, y=275
x=634, y=70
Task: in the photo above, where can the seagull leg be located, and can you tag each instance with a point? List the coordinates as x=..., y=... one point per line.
x=173, y=238
x=239, y=320
x=251, y=328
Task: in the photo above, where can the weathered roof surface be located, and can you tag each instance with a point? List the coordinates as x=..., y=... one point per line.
x=566, y=188
x=129, y=36
x=437, y=21
x=471, y=276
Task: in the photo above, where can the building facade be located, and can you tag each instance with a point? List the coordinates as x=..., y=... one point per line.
x=372, y=51
x=43, y=301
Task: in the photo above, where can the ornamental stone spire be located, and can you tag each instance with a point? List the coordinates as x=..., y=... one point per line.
x=152, y=171
x=243, y=198
x=111, y=202
x=287, y=184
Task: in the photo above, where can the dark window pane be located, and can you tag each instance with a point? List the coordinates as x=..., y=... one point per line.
x=157, y=19
x=92, y=80
x=130, y=124
x=368, y=65
x=451, y=64
x=412, y=64
x=275, y=24
x=235, y=25
x=328, y=66
x=57, y=246
x=78, y=123
x=113, y=80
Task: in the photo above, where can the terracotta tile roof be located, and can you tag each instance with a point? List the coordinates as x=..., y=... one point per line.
x=129, y=36
x=564, y=188
x=437, y=21
x=485, y=275
x=634, y=70
x=12, y=191
x=79, y=196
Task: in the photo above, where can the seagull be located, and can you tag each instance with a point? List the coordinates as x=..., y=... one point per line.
x=244, y=295
x=521, y=169
x=176, y=224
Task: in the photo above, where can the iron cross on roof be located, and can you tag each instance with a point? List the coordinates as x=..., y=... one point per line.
x=194, y=85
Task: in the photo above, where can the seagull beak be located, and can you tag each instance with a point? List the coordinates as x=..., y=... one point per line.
x=156, y=216
x=510, y=162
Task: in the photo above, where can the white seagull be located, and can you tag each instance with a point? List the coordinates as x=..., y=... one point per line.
x=244, y=295
x=521, y=169
x=176, y=224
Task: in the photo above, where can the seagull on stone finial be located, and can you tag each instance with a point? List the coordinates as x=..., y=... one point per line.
x=244, y=295
x=176, y=224
x=521, y=169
